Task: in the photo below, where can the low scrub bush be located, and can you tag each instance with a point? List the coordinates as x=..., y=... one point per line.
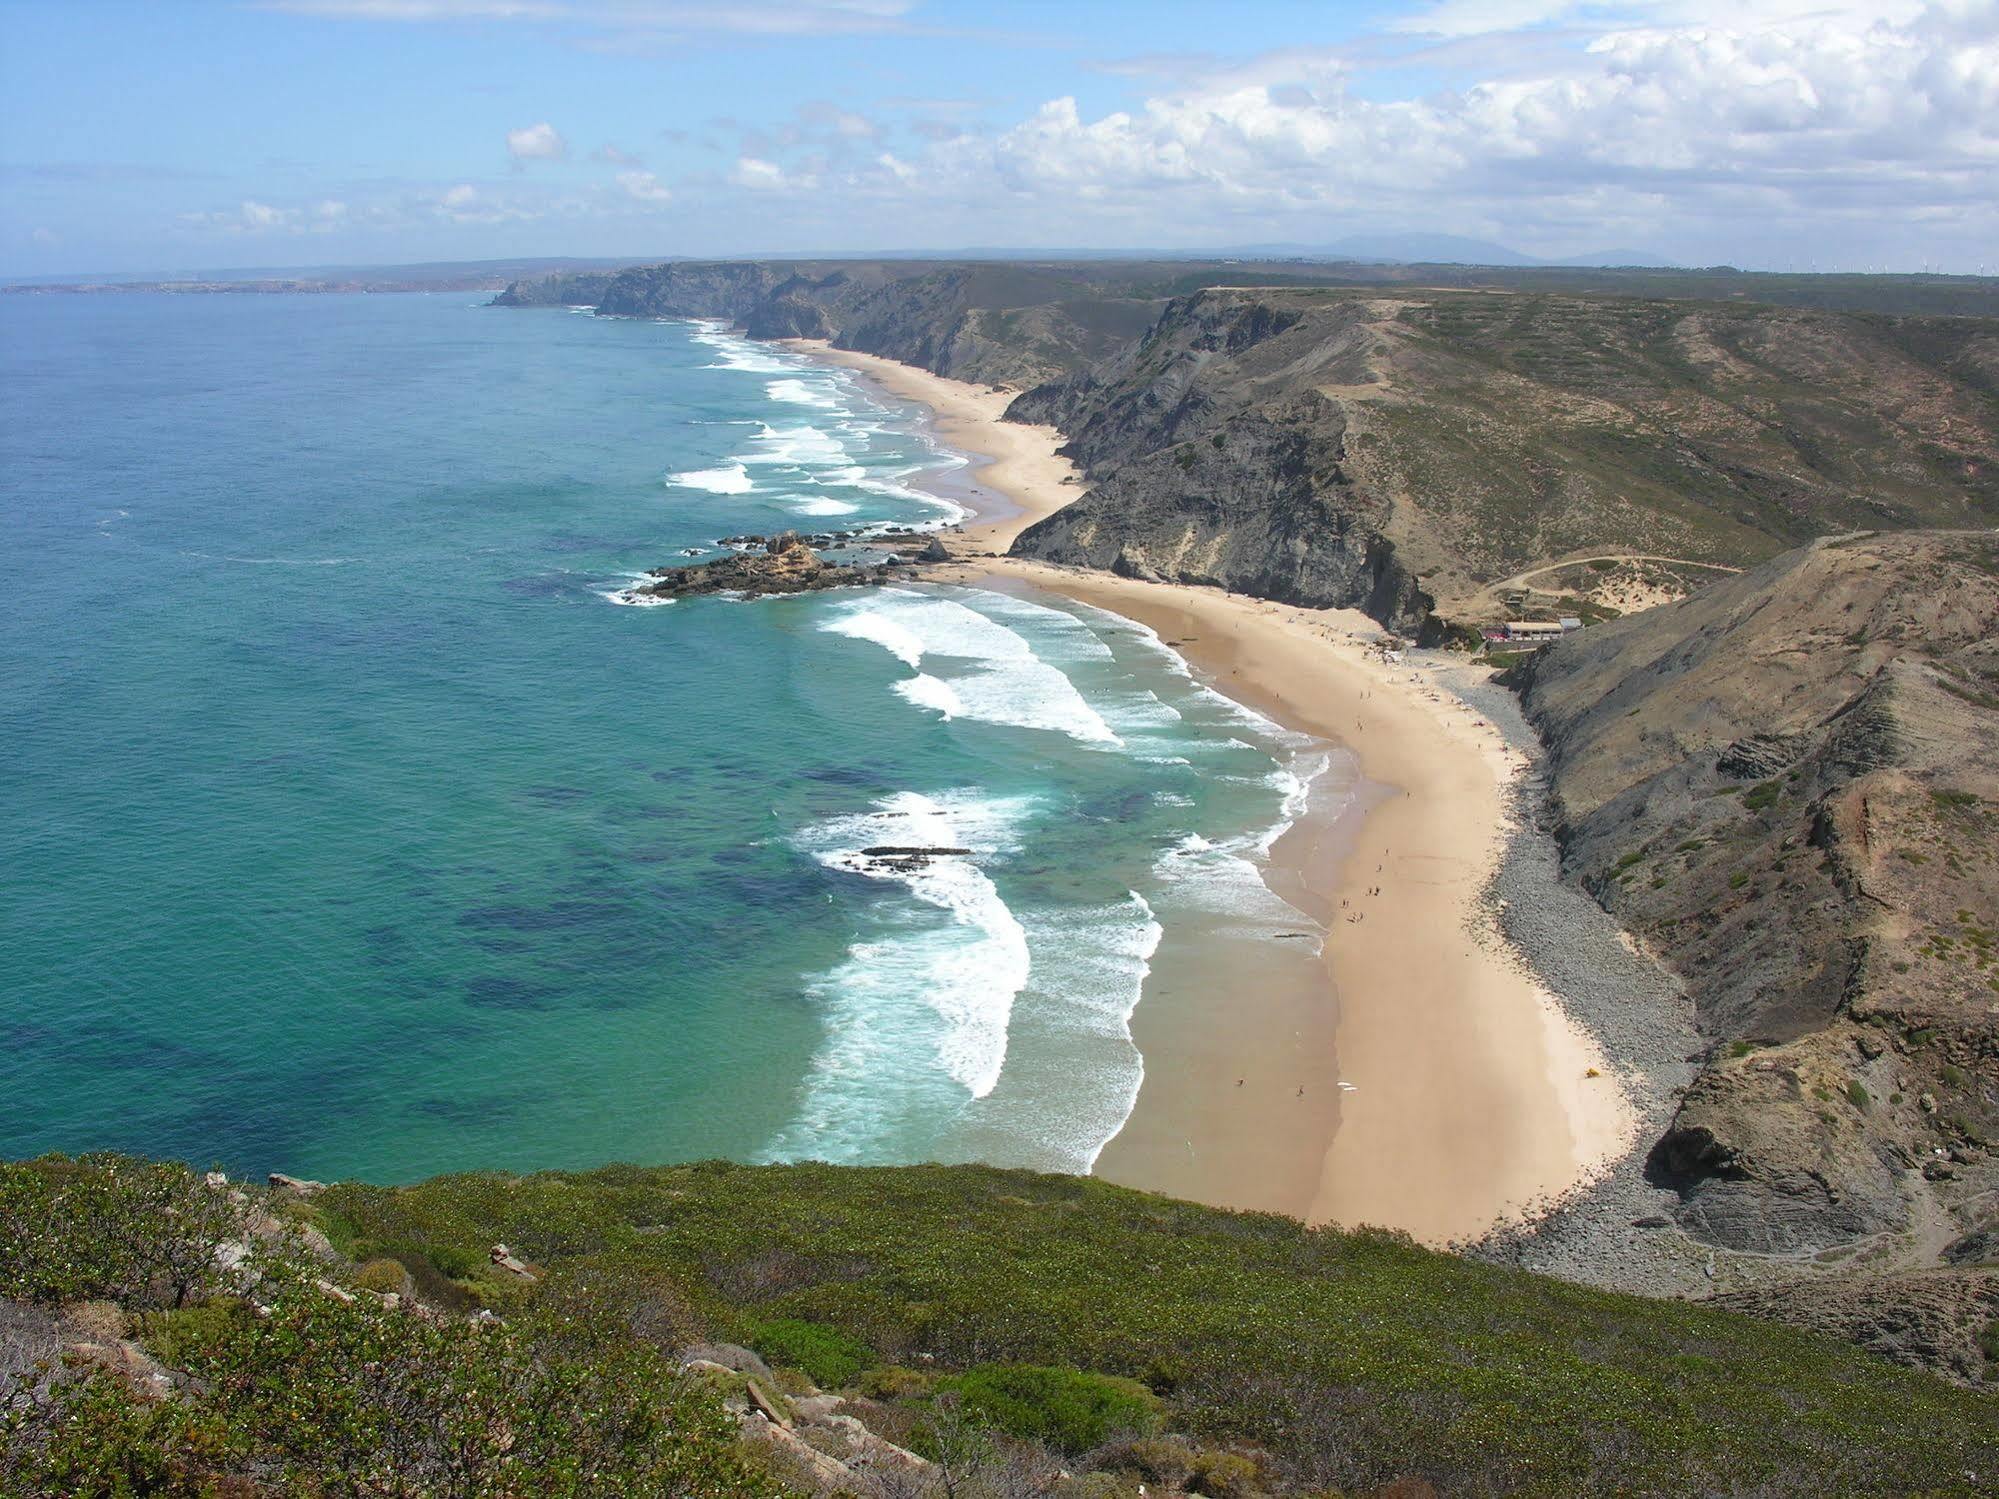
x=1060, y=1408
x=827, y=1356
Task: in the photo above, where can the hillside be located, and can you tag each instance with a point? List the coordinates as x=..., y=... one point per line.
x=1411, y=453
x=722, y=1329
x=1786, y=787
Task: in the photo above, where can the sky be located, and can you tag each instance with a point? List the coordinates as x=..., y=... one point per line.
x=1770, y=134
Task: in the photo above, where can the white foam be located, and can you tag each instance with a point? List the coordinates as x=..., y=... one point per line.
x=921, y=1012
x=1073, y=1074
x=1222, y=880
x=797, y=447
x=272, y=561
x=931, y=692
x=1002, y=680
x=889, y=633
x=733, y=479
x=823, y=505
x=736, y=353
x=800, y=393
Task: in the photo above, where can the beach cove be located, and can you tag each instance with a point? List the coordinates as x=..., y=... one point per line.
x=1424, y=1078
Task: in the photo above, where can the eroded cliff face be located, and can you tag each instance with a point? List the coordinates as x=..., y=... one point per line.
x=1787, y=787
x=1463, y=439
x=990, y=324
x=1218, y=453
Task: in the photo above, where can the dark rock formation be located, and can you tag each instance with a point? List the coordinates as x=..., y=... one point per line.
x=1927, y=1319
x=1264, y=507
x=784, y=564
x=577, y=289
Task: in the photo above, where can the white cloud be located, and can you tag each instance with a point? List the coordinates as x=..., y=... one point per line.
x=757, y=174
x=645, y=187
x=1464, y=18
x=540, y=142
x=253, y=217
x=1706, y=129
x=1645, y=132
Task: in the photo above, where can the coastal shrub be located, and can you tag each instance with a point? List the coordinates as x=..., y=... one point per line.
x=893, y=1382
x=316, y=1395
x=1857, y=1095
x=1060, y=1408
x=827, y=1356
x=1291, y=1357
x=381, y=1274
x=1176, y=1464
x=109, y=1227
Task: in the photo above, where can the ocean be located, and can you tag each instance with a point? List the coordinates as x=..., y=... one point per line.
x=351, y=826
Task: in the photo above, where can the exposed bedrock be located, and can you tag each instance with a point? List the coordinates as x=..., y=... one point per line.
x=1787, y=788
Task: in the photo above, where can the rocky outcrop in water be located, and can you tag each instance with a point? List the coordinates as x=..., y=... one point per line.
x=783, y=564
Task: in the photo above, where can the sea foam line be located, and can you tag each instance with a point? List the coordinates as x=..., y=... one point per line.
x=1002, y=681
x=917, y=1016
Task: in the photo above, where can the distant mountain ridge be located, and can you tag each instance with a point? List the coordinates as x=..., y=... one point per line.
x=1455, y=249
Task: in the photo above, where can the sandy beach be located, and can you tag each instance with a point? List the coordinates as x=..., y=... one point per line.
x=1423, y=1078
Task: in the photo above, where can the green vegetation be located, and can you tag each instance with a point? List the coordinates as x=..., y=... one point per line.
x=1348, y=1359
x=1060, y=1408
x=825, y=1355
x=313, y=1390
x=1759, y=797
x=969, y=1310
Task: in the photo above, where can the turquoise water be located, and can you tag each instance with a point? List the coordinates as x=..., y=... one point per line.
x=349, y=826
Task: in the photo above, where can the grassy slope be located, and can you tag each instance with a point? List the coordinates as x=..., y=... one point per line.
x=1352, y=1355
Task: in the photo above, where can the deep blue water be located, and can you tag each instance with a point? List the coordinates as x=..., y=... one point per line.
x=349, y=827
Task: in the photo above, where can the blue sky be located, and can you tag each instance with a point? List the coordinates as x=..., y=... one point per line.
x=207, y=133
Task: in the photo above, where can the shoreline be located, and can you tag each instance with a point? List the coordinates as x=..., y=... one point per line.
x=1446, y=1092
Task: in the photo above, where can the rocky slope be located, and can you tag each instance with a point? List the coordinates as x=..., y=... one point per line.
x=1786, y=787
x=1407, y=453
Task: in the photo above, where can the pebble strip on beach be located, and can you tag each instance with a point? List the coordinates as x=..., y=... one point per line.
x=1636, y=1012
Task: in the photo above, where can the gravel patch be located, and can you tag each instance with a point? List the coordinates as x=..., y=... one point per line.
x=1617, y=1231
